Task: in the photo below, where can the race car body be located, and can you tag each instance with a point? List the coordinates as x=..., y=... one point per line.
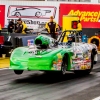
x=45, y=56
x=48, y=54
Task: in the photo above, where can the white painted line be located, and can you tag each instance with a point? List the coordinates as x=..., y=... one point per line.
x=3, y=68
x=98, y=98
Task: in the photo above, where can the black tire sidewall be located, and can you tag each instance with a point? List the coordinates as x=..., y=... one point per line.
x=18, y=72
x=64, y=67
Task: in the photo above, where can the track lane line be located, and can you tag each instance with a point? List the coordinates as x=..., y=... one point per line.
x=97, y=98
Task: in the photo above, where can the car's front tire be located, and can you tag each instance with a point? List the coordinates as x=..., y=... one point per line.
x=64, y=65
x=18, y=72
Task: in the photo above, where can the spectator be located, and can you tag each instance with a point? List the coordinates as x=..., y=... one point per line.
x=52, y=27
x=79, y=25
x=70, y=40
x=16, y=25
x=80, y=34
x=22, y=27
x=11, y=26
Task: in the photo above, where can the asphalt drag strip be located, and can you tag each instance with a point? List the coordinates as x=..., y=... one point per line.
x=36, y=85
x=92, y=93
x=96, y=68
x=41, y=86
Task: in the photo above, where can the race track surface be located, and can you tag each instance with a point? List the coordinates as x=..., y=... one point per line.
x=35, y=85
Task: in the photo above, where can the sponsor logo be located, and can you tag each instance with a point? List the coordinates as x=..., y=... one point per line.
x=37, y=12
x=86, y=16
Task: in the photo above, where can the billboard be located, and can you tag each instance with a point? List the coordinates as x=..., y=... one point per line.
x=2, y=15
x=42, y=12
x=89, y=14
x=31, y=15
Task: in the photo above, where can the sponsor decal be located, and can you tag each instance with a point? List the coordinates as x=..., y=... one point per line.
x=82, y=64
x=57, y=62
x=86, y=16
x=59, y=56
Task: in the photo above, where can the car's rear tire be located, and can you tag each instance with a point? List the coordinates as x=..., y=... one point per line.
x=86, y=72
x=64, y=65
x=18, y=72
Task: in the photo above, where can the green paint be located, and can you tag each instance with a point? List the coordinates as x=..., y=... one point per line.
x=21, y=59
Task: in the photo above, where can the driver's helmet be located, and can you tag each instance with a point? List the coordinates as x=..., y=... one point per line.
x=70, y=38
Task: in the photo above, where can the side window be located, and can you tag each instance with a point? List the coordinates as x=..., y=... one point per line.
x=74, y=24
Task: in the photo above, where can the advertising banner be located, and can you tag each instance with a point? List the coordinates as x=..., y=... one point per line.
x=31, y=15
x=2, y=15
x=89, y=14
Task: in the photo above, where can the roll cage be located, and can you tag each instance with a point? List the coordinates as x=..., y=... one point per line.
x=75, y=33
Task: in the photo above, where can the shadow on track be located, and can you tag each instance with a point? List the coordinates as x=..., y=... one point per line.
x=44, y=78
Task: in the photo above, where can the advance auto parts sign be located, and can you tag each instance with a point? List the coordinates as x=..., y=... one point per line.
x=89, y=14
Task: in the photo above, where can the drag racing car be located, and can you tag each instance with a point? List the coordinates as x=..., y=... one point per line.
x=52, y=55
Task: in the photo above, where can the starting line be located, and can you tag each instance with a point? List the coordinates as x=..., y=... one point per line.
x=98, y=98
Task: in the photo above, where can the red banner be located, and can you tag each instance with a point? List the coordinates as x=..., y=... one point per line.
x=2, y=15
x=89, y=14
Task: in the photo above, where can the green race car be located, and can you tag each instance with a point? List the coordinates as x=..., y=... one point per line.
x=52, y=56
